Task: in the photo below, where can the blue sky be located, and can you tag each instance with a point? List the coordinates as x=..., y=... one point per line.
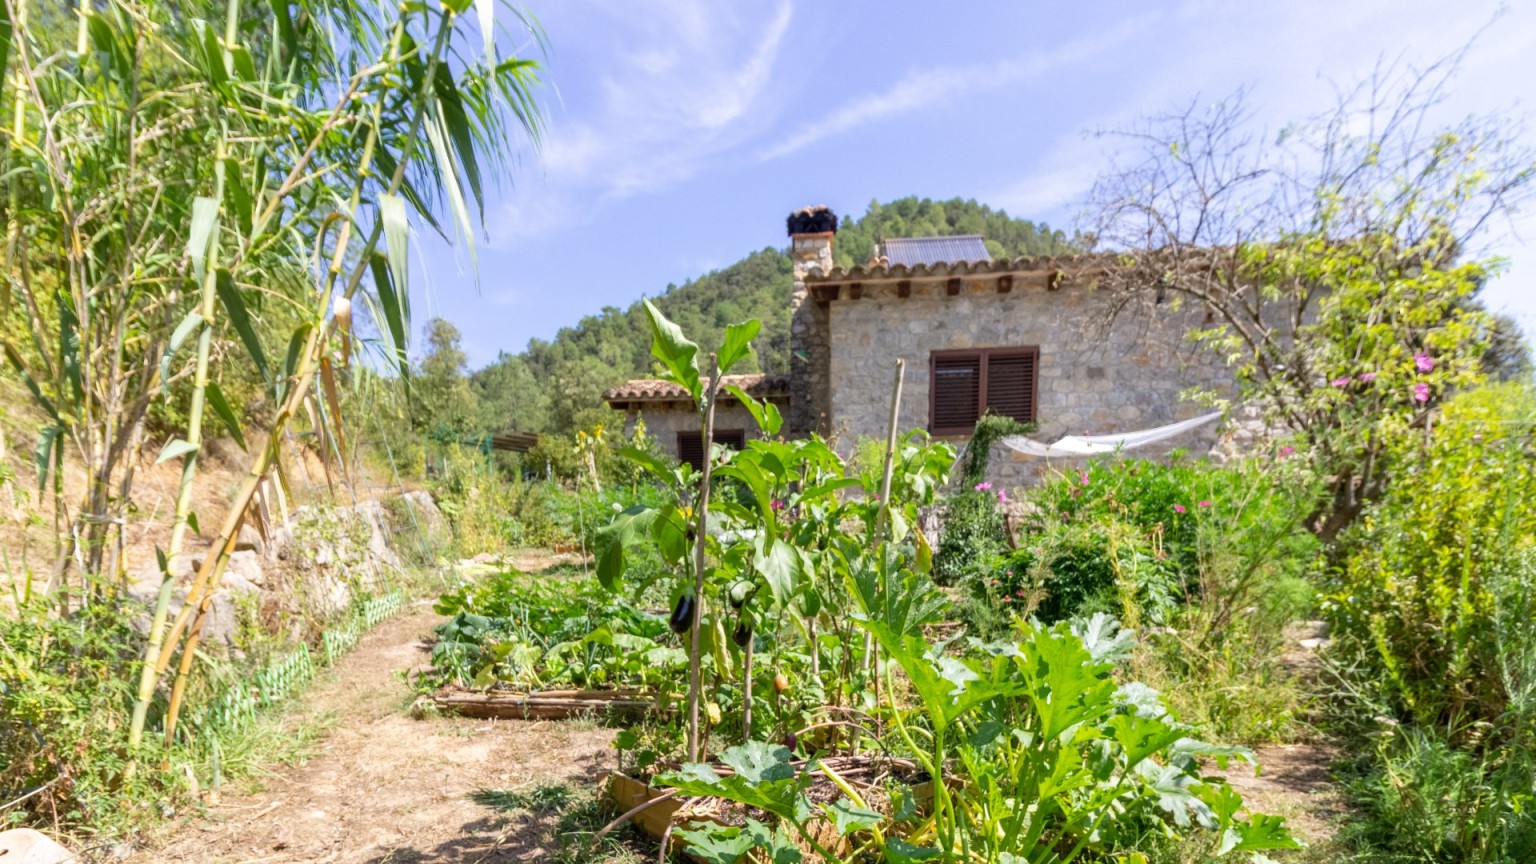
x=682, y=131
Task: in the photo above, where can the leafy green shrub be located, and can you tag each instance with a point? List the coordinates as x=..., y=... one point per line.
x=1051, y=759
x=63, y=685
x=973, y=537
x=1412, y=604
x=532, y=632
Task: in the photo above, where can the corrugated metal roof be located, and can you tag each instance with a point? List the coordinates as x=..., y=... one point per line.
x=655, y=390
x=928, y=251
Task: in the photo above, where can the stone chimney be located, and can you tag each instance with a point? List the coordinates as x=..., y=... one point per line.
x=811, y=232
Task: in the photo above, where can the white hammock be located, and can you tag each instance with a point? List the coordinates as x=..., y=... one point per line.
x=1090, y=445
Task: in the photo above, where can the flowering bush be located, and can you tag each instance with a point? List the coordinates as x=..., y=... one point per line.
x=1413, y=599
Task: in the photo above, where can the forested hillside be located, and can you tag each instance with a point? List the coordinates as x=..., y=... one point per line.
x=549, y=386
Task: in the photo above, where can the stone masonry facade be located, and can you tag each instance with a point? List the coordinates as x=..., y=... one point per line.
x=1092, y=380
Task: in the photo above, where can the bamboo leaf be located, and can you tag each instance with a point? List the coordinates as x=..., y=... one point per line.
x=389, y=310
x=397, y=240
x=205, y=216
x=211, y=53
x=175, y=447
x=69, y=345
x=32, y=386
x=487, y=10
x=328, y=383
x=240, y=319
x=178, y=336
x=456, y=122
x=192, y=522
x=221, y=407
x=237, y=196
x=47, y=441
x=7, y=31
x=451, y=185
x=285, y=29
x=291, y=364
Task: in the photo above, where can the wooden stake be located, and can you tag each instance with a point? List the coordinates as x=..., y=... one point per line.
x=701, y=517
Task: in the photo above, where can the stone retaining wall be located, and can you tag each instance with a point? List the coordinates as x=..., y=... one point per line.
x=308, y=571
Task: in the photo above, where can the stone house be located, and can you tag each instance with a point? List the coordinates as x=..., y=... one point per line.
x=1027, y=338
x=671, y=417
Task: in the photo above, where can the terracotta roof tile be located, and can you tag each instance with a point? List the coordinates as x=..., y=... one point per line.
x=655, y=390
x=978, y=268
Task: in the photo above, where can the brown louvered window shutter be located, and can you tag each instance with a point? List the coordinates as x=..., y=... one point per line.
x=965, y=385
x=955, y=392
x=690, y=449
x=1010, y=376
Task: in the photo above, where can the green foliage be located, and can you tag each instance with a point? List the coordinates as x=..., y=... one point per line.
x=1413, y=600
x=1052, y=760
x=1211, y=558
x=1006, y=236
x=974, y=536
x=535, y=632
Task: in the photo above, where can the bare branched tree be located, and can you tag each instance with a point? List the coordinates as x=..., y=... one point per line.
x=1338, y=262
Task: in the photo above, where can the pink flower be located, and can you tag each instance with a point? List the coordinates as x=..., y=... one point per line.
x=1002, y=496
x=1367, y=377
x=1421, y=392
x=1286, y=451
x=1203, y=504
x=1178, y=508
x=983, y=486
x=1423, y=362
x=1083, y=478
x=776, y=504
x=1341, y=382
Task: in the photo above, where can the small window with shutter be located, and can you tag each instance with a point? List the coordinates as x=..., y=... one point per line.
x=965, y=385
x=690, y=445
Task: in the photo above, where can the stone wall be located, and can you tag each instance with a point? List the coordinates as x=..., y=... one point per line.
x=664, y=420
x=809, y=383
x=308, y=571
x=1090, y=382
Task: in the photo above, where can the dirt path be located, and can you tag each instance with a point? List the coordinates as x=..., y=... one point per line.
x=385, y=787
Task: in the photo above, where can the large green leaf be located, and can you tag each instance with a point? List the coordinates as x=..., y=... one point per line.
x=764, y=779
x=627, y=529
x=848, y=818
x=738, y=343
x=240, y=319
x=678, y=355
x=782, y=565
x=765, y=413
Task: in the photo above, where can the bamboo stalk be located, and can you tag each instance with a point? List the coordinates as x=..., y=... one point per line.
x=213, y=567
x=148, y=677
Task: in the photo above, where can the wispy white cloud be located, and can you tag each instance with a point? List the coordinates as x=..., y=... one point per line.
x=939, y=85
x=657, y=114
